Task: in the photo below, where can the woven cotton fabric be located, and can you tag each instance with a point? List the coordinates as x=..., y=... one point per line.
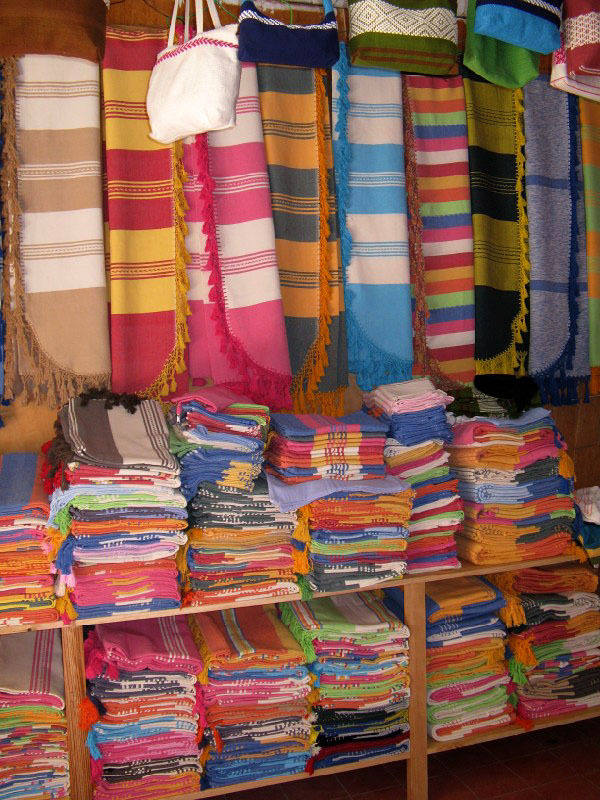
x=369, y=156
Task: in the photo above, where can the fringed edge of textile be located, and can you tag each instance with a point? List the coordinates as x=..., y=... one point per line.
x=48, y=381
x=423, y=356
x=371, y=365
x=556, y=387
x=512, y=361
x=175, y=363
x=305, y=384
x=259, y=383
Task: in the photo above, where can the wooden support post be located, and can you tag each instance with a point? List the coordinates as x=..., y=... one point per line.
x=414, y=616
x=74, y=671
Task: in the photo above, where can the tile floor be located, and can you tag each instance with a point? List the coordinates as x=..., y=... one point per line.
x=554, y=764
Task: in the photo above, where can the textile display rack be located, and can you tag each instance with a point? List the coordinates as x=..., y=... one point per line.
x=414, y=616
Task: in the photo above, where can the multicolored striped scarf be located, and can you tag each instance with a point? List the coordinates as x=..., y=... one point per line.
x=590, y=149
x=240, y=340
x=297, y=131
x=436, y=144
x=145, y=214
x=369, y=158
x=54, y=282
x=497, y=172
x=558, y=356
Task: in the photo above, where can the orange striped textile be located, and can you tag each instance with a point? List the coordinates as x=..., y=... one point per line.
x=438, y=122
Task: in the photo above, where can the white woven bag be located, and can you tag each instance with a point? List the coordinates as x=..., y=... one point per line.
x=194, y=86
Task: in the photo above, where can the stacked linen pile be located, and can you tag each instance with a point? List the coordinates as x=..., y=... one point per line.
x=255, y=688
x=142, y=677
x=240, y=545
x=515, y=479
x=468, y=684
x=555, y=646
x=359, y=659
x=306, y=447
x=355, y=537
x=218, y=438
x=415, y=451
x=26, y=582
x=122, y=509
x=34, y=761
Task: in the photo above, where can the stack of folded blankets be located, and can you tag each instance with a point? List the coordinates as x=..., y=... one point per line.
x=469, y=690
x=358, y=653
x=356, y=536
x=555, y=639
x=306, y=447
x=415, y=451
x=255, y=690
x=122, y=512
x=142, y=679
x=34, y=762
x=218, y=438
x=26, y=582
x=516, y=481
x=240, y=544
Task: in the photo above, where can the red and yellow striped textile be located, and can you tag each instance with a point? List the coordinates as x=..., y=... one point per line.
x=145, y=218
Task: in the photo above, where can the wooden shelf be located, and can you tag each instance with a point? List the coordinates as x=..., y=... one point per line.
x=512, y=730
x=240, y=787
x=423, y=577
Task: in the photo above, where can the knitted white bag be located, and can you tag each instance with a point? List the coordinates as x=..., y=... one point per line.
x=194, y=86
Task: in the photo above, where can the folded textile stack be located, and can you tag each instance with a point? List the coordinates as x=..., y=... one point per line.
x=415, y=451
x=218, y=438
x=142, y=678
x=588, y=522
x=358, y=653
x=122, y=513
x=255, y=689
x=26, y=582
x=516, y=482
x=355, y=537
x=306, y=447
x=34, y=760
x=468, y=684
x=555, y=638
x=240, y=545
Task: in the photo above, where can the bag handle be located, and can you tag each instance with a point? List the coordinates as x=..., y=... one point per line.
x=214, y=15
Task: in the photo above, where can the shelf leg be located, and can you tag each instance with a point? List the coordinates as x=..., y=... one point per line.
x=74, y=672
x=414, y=616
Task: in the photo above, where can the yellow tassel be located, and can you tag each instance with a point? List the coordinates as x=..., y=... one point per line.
x=523, y=651
x=65, y=606
x=302, y=534
x=513, y=614
x=56, y=539
x=566, y=467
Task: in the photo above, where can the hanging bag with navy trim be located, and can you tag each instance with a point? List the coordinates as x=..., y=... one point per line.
x=269, y=41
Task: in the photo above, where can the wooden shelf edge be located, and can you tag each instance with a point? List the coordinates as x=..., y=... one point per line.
x=512, y=730
x=423, y=577
x=240, y=787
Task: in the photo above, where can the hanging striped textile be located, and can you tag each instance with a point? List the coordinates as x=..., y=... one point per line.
x=496, y=171
x=237, y=329
x=558, y=356
x=297, y=133
x=439, y=127
x=369, y=159
x=145, y=214
x=55, y=285
x=590, y=148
